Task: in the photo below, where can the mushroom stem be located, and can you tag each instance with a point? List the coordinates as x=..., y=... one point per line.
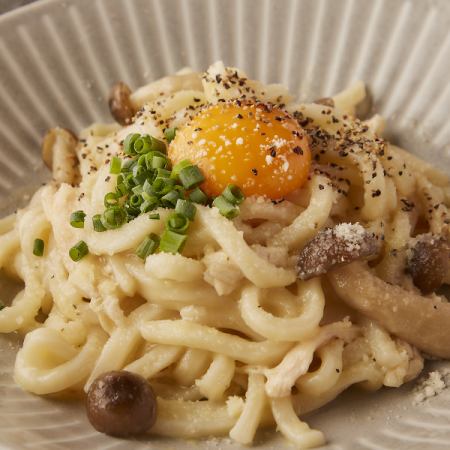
x=421, y=321
x=58, y=154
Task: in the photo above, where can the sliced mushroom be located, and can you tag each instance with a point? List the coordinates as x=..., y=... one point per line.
x=422, y=322
x=120, y=104
x=333, y=247
x=429, y=262
x=58, y=153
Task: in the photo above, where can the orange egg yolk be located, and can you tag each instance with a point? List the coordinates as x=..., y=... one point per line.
x=258, y=147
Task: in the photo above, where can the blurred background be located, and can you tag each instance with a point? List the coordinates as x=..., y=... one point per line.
x=8, y=5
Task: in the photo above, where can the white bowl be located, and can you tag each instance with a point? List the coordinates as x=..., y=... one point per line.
x=58, y=61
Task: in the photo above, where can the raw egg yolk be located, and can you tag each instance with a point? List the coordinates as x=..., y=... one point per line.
x=258, y=147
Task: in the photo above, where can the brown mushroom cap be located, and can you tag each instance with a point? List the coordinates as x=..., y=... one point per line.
x=121, y=403
x=429, y=262
x=335, y=246
x=423, y=322
x=120, y=104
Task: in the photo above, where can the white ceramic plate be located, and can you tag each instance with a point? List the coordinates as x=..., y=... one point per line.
x=58, y=60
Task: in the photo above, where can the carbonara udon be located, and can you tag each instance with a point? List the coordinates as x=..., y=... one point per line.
x=325, y=276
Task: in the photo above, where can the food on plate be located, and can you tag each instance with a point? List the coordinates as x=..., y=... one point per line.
x=225, y=258
x=121, y=403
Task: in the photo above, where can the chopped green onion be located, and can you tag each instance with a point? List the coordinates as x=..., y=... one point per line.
x=128, y=143
x=131, y=212
x=129, y=181
x=147, y=143
x=191, y=177
x=127, y=165
x=157, y=145
x=172, y=242
x=225, y=208
x=114, y=217
x=155, y=216
x=97, y=223
x=162, y=186
x=140, y=174
x=159, y=163
x=177, y=168
x=148, y=158
x=115, y=166
x=148, y=246
x=186, y=208
x=147, y=206
x=38, y=247
x=143, y=144
x=2, y=305
x=140, y=179
x=162, y=173
x=169, y=134
x=170, y=199
x=121, y=189
x=198, y=196
x=110, y=199
x=177, y=223
x=135, y=200
x=77, y=219
x=233, y=194
x=78, y=251
x=138, y=190
x=142, y=160
x=150, y=197
x=147, y=188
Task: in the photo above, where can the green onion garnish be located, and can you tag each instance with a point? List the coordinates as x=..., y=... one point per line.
x=135, y=200
x=177, y=168
x=178, y=223
x=169, y=134
x=157, y=145
x=78, y=251
x=128, y=143
x=121, y=189
x=114, y=217
x=233, y=194
x=138, y=190
x=170, y=199
x=159, y=163
x=2, y=305
x=198, y=196
x=186, y=208
x=77, y=219
x=172, y=242
x=148, y=246
x=127, y=164
x=162, y=186
x=143, y=144
x=225, y=208
x=129, y=181
x=97, y=223
x=115, y=166
x=110, y=199
x=146, y=181
x=150, y=203
x=38, y=247
x=191, y=177
x=162, y=173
